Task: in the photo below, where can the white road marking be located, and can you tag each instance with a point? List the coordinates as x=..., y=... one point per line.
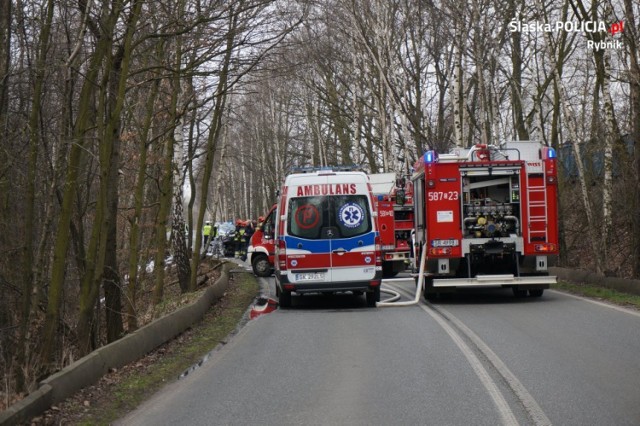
x=530, y=404
x=506, y=415
x=596, y=302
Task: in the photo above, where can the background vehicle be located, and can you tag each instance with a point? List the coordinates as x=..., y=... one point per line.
x=487, y=216
x=261, y=251
x=326, y=236
x=394, y=206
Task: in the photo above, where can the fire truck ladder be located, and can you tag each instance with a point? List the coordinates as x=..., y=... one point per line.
x=534, y=207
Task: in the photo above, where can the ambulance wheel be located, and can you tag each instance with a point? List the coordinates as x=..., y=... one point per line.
x=285, y=299
x=536, y=293
x=261, y=266
x=373, y=297
x=519, y=293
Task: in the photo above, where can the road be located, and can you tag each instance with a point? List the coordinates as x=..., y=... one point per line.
x=482, y=358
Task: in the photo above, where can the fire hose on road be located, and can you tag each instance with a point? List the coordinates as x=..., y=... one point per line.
x=391, y=302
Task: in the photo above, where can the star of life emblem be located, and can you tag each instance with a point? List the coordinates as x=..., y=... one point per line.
x=351, y=215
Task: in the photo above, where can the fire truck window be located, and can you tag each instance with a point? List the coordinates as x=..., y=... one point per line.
x=269, y=224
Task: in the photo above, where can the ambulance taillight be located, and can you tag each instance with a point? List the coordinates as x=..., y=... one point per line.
x=282, y=255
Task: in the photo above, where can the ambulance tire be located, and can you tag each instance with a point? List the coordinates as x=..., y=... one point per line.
x=373, y=297
x=519, y=293
x=536, y=292
x=261, y=266
x=285, y=299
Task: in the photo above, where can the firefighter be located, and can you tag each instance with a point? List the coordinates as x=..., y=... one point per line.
x=206, y=234
x=237, y=238
x=250, y=228
x=244, y=239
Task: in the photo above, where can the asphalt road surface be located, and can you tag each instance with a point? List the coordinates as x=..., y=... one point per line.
x=481, y=358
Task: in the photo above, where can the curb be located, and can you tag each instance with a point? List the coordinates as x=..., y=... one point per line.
x=89, y=369
x=580, y=276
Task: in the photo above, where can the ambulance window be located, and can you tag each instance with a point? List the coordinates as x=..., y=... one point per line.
x=351, y=213
x=307, y=216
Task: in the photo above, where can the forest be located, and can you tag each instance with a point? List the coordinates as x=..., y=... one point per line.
x=125, y=122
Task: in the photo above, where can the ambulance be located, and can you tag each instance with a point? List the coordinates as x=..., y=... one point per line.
x=326, y=236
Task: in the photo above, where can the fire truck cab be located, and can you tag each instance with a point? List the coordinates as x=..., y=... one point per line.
x=326, y=236
x=261, y=248
x=487, y=217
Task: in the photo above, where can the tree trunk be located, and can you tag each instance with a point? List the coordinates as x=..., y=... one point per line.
x=516, y=87
x=168, y=177
x=612, y=135
x=631, y=40
x=5, y=57
x=134, y=233
x=76, y=152
x=570, y=116
x=212, y=141
x=180, y=253
x=30, y=195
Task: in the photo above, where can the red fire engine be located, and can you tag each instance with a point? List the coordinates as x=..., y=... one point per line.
x=394, y=205
x=487, y=216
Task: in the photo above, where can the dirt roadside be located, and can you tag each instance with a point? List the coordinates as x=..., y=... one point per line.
x=124, y=389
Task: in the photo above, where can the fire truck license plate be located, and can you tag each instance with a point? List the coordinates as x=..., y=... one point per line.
x=444, y=243
x=310, y=276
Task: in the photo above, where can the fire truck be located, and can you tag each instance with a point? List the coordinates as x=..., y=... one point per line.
x=487, y=216
x=394, y=206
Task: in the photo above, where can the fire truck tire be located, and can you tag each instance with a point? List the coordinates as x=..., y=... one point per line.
x=261, y=266
x=388, y=270
x=373, y=297
x=427, y=290
x=536, y=293
x=285, y=299
x=519, y=293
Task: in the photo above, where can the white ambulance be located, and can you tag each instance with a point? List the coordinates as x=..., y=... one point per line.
x=326, y=236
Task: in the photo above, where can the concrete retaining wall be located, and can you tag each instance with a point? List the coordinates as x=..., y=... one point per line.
x=89, y=369
x=580, y=276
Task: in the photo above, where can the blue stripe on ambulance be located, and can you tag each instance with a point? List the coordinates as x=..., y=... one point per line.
x=322, y=246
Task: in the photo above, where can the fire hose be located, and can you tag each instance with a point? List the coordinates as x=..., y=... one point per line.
x=391, y=302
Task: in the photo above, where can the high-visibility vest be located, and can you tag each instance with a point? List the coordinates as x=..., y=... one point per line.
x=206, y=230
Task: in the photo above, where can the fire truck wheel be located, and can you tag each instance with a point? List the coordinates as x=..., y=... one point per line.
x=373, y=297
x=285, y=299
x=536, y=293
x=261, y=266
x=388, y=270
x=519, y=293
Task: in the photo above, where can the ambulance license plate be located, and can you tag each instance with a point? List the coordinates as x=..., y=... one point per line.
x=310, y=276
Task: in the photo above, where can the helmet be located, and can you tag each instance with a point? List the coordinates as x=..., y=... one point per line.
x=207, y=223
x=260, y=219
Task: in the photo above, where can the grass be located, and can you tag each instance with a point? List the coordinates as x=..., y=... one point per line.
x=169, y=361
x=600, y=293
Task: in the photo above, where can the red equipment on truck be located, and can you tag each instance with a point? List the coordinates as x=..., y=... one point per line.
x=394, y=205
x=487, y=216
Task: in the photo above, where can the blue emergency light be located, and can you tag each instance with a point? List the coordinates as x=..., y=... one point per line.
x=430, y=156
